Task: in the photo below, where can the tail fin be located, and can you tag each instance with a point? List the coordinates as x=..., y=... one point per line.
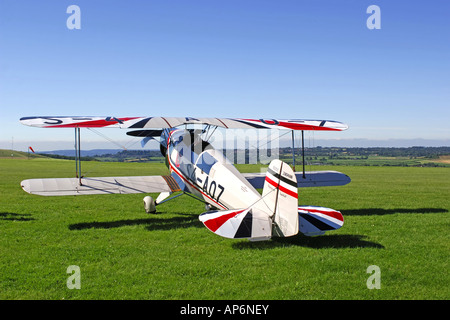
x=280, y=196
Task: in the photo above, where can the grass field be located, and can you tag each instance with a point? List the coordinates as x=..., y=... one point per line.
x=396, y=218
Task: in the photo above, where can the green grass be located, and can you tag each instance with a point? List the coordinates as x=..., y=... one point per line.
x=395, y=217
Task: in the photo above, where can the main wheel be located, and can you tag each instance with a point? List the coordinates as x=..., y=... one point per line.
x=149, y=205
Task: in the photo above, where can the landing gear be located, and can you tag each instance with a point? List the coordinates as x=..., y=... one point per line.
x=149, y=204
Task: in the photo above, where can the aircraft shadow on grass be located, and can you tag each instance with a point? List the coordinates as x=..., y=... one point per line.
x=336, y=241
x=188, y=221
x=15, y=216
x=150, y=223
x=380, y=211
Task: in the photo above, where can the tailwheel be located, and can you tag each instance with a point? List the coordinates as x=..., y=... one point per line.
x=209, y=207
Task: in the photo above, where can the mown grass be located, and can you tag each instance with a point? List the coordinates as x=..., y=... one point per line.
x=395, y=218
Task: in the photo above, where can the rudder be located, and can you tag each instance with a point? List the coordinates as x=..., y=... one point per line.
x=280, y=196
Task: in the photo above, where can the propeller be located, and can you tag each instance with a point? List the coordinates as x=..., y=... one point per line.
x=145, y=133
x=148, y=135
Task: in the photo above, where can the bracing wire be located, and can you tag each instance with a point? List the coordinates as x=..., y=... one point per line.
x=107, y=138
x=110, y=140
x=253, y=146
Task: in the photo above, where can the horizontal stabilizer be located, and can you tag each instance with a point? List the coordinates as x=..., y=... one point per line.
x=311, y=179
x=101, y=185
x=315, y=221
x=237, y=224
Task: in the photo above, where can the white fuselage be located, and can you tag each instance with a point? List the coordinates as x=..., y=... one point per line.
x=207, y=174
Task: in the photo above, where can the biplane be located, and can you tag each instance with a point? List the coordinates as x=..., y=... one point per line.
x=235, y=207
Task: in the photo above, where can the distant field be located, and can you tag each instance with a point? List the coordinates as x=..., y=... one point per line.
x=444, y=159
x=396, y=218
x=373, y=160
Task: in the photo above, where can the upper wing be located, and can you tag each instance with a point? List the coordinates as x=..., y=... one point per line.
x=78, y=122
x=101, y=185
x=170, y=122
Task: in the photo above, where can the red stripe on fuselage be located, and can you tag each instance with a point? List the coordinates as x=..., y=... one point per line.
x=192, y=185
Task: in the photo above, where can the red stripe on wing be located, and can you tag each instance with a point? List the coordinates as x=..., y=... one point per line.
x=293, y=125
x=299, y=126
x=91, y=123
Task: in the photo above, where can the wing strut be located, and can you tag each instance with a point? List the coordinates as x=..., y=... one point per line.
x=293, y=151
x=78, y=155
x=303, y=154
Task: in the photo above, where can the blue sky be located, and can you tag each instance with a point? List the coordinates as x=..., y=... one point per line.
x=259, y=59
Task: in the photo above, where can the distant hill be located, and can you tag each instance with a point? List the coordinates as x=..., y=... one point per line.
x=4, y=153
x=84, y=153
x=411, y=156
x=118, y=155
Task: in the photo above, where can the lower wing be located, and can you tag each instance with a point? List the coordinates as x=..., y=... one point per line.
x=310, y=179
x=100, y=185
